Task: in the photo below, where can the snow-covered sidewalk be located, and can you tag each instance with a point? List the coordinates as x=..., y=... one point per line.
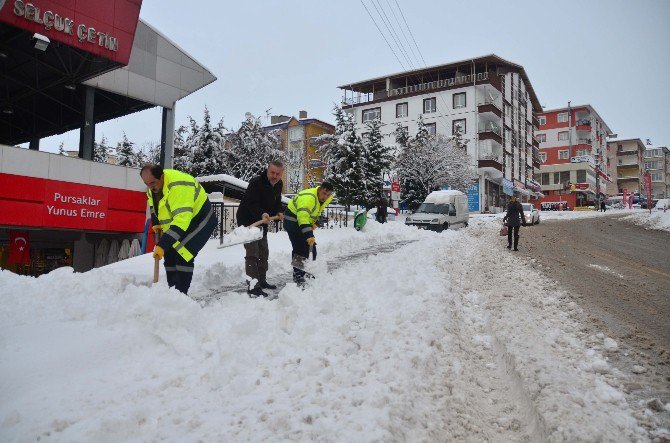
x=448, y=337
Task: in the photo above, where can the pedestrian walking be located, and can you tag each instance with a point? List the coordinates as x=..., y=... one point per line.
x=514, y=218
x=180, y=210
x=300, y=222
x=603, y=207
x=261, y=201
x=382, y=211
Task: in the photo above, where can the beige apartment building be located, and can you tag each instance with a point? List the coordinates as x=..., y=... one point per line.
x=657, y=163
x=625, y=160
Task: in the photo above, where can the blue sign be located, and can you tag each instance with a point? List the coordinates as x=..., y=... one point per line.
x=508, y=186
x=473, y=197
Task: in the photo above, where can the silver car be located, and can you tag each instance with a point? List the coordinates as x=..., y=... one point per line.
x=531, y=213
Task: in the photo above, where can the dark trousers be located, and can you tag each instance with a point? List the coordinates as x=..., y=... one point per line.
x=178, y=271
x=300, y=249
x=256, y=259
x=514, y=229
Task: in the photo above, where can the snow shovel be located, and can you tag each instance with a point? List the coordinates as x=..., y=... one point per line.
x=157, y=261
x=244, y=234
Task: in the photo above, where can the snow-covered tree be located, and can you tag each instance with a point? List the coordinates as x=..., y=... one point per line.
x=125, y=150
x=378, y=160
x=101, y=150
x=205, y=142
x=61, y=149
x=428, y=162
x=252, y=148
x=342, y=153
x=182, y=159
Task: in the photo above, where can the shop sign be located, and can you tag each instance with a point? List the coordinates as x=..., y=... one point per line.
x=508, y=186
x=37, y=202
x=473, y=197
x=102, y=27
x=583, y=159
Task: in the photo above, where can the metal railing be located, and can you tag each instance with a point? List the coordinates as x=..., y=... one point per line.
x=490, y=127
x=439, y=84
x=226, y=215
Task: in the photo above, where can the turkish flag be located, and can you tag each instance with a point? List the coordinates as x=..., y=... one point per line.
x=19, y=248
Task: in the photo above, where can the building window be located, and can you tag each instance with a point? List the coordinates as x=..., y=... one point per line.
x=401, y=110
x=429, y=105
x=561, y=177
x=563, y=135
x=657, y=177
x=583, y=152
x=658, y=153
x=459, y=100
x=542, y=120
x=619, y=148
x=563, y=155
x=431, y=128
x=372, y=114
x=295, y=133
x=543, y=157
x=542, y=138
x=365, y=136
x=544, y=178
x=581, y=176
x=458, y=126
x=563, y=117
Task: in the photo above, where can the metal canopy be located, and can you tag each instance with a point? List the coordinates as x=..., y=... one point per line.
x=41, y=92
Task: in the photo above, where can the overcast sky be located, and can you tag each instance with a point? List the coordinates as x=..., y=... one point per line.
x=287, y=56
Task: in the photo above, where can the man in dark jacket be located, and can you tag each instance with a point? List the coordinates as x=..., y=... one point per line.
x=261, y=201
x=514, y=218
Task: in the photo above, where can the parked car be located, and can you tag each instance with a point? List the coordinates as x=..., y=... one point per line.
x=662, y=204
x=531, y=213
x=441, y=210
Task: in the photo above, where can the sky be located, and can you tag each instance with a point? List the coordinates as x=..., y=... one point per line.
x=274, y=57
x=395, y=340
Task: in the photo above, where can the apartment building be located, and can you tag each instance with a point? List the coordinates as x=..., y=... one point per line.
x=303, y=167
x=657, y=163
x=626, y=158
x=573, y=146
x=489, y=100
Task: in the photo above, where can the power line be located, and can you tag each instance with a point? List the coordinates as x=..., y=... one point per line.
x=391, y=31
x=383, y=36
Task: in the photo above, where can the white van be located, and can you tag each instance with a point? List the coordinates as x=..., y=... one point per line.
x=441, y=210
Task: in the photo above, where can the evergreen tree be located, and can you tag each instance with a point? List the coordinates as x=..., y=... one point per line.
x=61, y=149
x=182, y=159
x=206, y=144
x=342, y=153
x=126, y=152
x=101, y=150
x=252, y=148
x=378, y=161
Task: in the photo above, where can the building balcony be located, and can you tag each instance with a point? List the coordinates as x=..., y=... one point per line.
x=491, y=163
x=623, y=164
x=583, y=141
x=626, y=151
x=622, y=177
x=490, y=131
x=488, y=106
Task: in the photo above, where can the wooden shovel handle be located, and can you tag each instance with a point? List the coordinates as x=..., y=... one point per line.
x=157, y=261
x=260, y=222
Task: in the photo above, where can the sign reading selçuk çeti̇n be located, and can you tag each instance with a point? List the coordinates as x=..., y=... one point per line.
x=44, y=203
x=102, y=27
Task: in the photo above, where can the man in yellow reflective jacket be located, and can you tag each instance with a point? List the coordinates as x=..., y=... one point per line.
x=300, y=222
x=180, y=210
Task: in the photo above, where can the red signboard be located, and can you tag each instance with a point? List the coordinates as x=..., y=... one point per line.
x=395, y=186
x=102, y=27
x=38, y=202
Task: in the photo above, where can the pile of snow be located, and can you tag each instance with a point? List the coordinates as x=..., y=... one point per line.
x=241, y=234
x=656, y=220
x=413, y=336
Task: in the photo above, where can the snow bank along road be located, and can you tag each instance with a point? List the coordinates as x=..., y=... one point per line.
x=447, y=338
